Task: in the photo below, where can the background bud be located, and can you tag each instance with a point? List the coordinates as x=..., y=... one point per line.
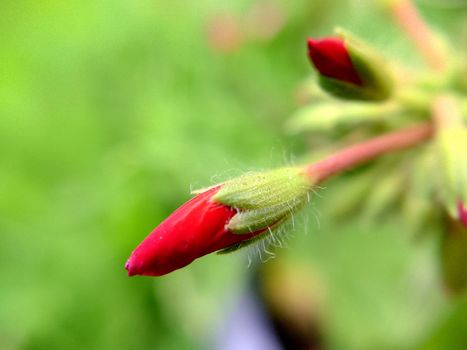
x=331, y=58
x=350, y=69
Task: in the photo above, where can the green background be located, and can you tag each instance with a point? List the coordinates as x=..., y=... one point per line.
x=111, y=111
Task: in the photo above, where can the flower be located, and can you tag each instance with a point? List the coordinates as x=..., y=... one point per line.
x=350, y=69
x=223, y=218
x=331, y=58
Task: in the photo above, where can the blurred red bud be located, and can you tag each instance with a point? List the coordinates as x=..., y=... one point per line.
x=331, y=58
x=350, y=69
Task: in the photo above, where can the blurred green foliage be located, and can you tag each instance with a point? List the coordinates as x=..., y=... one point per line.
x=111, y=110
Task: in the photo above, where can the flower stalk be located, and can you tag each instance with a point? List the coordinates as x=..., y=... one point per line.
x=238, y=212
x=367, y=150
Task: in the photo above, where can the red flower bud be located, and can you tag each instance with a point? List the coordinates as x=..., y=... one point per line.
x=223, y=218
x=331, y=59
x=462, y=212
x=350, y=69
x=195, y=229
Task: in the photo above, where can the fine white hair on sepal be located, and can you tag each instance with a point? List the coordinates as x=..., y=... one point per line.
x=224, y=175
x=271, y=242
x=267, y=204
x=265, y=249
x=315, y=189
x=313, y=209
x=249, y=261
x=317, y=214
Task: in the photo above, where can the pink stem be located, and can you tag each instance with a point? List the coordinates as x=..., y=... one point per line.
x=368, y=150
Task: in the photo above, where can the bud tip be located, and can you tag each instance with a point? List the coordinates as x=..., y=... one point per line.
x=331, y=59
x=128, y=267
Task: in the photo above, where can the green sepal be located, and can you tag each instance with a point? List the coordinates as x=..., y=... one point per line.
x=417, y=206
x=336, y=116
x=344, y=90
x=263, y=199
x=373, y=71
x=264, y=189
x=242, y=244
x=254, y=220
x=238, y=246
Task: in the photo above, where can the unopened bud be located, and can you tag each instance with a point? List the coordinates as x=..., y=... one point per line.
x=222, y=218
x=350, y=69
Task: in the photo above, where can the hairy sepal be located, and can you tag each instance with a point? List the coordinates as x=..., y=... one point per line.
x=264, y=199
